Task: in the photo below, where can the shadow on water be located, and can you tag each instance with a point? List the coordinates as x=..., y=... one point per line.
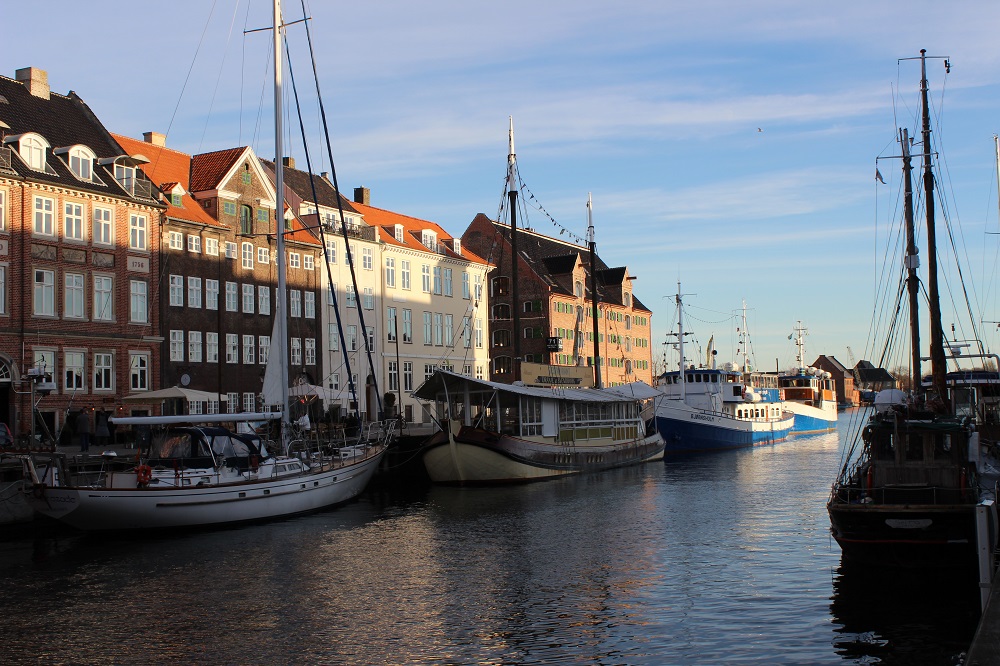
x=900, y=617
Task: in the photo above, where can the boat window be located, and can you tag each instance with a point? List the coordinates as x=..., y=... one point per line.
x=531, y=416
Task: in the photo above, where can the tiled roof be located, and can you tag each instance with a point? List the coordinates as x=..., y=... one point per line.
x=412, y=226
x=299, y=182
x=167, y=168
x=208, y=169
x=63, y=121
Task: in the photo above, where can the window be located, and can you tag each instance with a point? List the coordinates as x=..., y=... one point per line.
x=437, y=280
x=231, y=298
x=138, y=371
x=249, y=349
x=32, y=151
x=104, y=376
x=194, y=346
x=212, y=247
x=230, y=250
x=249, y=402
x=501, y=311
x=407, y=376
x=333, y=337
x=232, y=402
x=248, y=256
x=479, y=288
x=449, y=330
x=175, y=240
x=229, y=207
x=307, y=262
x=578, y=289
x=626, y=299
x=367, y=262
x=466, y=332
x=232, y=348
x=352, y=338
x=3, y=289
x=176, y=200
x=501, y=338
x=447, y=282
x=212, y=347
x=499, y=286
x=248, y=298
x=428, y=328
x=262, y=214
x=479, y=333
x=503, y=365
x=369, y=299
x=177, y=290
x=390, y=272
x=73, y=221
x=310, y=351
x=125, y=175
x=295, y=351
x=293, y=260
x=331, y=252
x=45, y=360
x=44, y=216
x=45, y=293
x=404, y=274
x=352, y=298
x=246, y=220
x=103, y=228
x=407, y=326
x=264, y=300
x=393, y=376
x=137, y=225
x=176, y=345
x=194, y=243
x=429, y=240
x=194, y=292
x=263, y=348
x=310, y=304
x=371, y=337
x=335, y=381
x=465, y=285
x=73, y=296
x=81, y=162
x=295, y=303
x=211, y=295
x=428, y=371
x=425, y=277
x=3, y=210
x=398, y=232
x=73, y=371
x=390, y=323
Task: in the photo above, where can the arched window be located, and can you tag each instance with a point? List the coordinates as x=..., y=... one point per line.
x=501, y=311
x=500, y=286
x=32, y=150
x=628, y=367
x=578, y=289
x=81, y=162
x=503, y=365
x=501, y=338
x=246, y=220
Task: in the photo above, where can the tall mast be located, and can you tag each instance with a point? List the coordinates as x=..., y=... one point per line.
x=279, y=221
x=593, y=291
x=516, y=302
x=938, y=368
x=912, y=263
x=680, y=339
x=800, y=345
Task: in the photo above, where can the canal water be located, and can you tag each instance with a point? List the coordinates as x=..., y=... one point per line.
x=721, y=558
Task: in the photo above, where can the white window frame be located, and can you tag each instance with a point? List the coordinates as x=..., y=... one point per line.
x=103, y=232
x=138, y=312
x=194, y=346
x=74, y=296
x=44, y=293
x=194, y=292
x=44, y=216
x=138, y=226
x=176, y=290
x=138, y=364
x=73, y=217
x=211, y=294
x=104, y=372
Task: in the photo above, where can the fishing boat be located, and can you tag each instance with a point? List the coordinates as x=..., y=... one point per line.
x=911, y=492
x=194, y=473
x=809, y=393
x=708, y=408
x=491, y=433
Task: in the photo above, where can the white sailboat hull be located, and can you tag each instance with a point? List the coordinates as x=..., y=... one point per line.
x=97, y=509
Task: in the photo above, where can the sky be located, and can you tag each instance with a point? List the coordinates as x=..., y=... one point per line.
x=728, y=145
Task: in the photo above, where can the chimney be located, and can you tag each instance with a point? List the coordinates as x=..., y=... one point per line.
x=155, y=138
x=363, y=195
x=325, y=175
x=288, y=162
x=35, y=80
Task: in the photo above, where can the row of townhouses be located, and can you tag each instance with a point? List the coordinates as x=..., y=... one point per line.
x=127, y=267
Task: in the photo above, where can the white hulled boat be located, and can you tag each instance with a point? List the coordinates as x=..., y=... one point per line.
x=809, y=393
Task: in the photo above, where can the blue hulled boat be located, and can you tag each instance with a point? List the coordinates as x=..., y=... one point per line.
x=809, y=393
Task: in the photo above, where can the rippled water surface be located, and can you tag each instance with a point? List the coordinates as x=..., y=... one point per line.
x=714, y=559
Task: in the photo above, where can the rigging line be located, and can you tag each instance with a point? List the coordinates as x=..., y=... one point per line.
x=243, y=67
x=352, y=388
x=218, y=79
x=336, y=186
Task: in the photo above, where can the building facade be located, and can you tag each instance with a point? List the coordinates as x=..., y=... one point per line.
x=79, y=260
x=555, y=308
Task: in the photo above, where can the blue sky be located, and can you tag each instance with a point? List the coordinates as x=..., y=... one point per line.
x=654, y=107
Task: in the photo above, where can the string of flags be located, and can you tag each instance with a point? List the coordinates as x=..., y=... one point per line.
x=529, y=197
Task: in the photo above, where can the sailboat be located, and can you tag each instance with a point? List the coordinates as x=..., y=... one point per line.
x=911, y=492
x=708, y=408
x=195, y=474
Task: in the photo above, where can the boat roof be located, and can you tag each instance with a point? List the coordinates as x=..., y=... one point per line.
x=444, y=380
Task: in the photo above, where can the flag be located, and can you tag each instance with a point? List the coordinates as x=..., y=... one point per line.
x=878, y=176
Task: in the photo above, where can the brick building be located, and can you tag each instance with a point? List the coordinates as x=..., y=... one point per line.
x=79, y=247
x=555, y=303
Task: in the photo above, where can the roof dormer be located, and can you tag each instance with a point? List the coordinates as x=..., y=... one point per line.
x=32, y=148
x=428, y=239
x=397, y=232
x=80, y=160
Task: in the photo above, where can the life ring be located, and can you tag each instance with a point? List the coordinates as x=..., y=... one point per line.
x=143, y=474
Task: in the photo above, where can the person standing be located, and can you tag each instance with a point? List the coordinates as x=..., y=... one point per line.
x=101, y=431
x=83, y=428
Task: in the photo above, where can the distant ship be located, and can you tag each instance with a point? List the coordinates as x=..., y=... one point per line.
x=809, y=393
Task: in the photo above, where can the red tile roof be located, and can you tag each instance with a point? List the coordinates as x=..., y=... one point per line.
x=167, y=168
x=208, y=169
x=412, y=226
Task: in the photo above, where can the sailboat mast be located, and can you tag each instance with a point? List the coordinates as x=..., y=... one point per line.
x=912, y=263
x=680, y=340
x=516, y=302
x=591, y=242
x=279, y=220
x=938, y=368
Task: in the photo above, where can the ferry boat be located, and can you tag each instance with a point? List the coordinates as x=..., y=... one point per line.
x=706, y=409
x=493, y=433
x=809, y=393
